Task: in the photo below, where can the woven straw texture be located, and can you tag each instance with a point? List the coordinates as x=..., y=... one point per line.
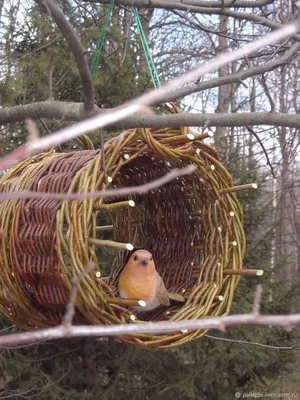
x=193, y=229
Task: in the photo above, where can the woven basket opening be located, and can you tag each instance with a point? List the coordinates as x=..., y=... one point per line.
x=164, y=221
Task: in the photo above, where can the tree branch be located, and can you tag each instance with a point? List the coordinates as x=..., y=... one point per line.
x=257, y=299
x=68, y=318
x=76, y=47
x=233, y=78
x=125, y=191
x=186, y=5
x=208, y=8
x=263, y=149
x=60, y=110
x=50, y=77
x=219, y=323
x=246, y=342
x=74, y=112
x=140, y=103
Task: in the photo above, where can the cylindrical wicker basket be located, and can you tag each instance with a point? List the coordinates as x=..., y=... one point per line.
x=192, y=225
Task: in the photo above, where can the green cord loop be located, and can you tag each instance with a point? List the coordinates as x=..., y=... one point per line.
x=100, y=43
x=149, y=59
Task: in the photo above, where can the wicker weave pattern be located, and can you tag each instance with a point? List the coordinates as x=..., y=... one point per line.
x=186, y=224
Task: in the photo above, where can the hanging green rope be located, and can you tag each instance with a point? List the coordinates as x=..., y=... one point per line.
x=149, y=59
x=100, y=43
x=83, y=140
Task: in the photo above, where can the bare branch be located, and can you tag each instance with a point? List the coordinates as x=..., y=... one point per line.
x=257, y=298
x=219, y=323
x=263, y=82
x=127, y=38
x=175, y=173
x=45, y=126
x=252, y=131
x=70, y=310
x=138, y=104
x=237, y=341
x=233, y=78
x=50, y=77
x=74, y=112
x=60, y=110
x=76, y=47
x=101, y=134
x=33, y=133
x=65, y=111
x=189, y=5
x=210, y=8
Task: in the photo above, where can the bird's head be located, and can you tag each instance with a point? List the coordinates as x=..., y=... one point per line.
x=142, y=259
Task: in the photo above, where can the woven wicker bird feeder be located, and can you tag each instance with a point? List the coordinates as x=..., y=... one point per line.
x=192, y=225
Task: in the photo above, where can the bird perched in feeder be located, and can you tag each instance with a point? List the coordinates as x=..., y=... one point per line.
x=139, y=280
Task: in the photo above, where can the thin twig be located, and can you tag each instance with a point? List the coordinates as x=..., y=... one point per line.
x=45, y=126
x=101, y=134
x=70, y=309
x=138, y=104
x=33, y=133
x=252, y=131
x=127, y=36
x=236, y=341
x=263, y=83
x=79, y=4
x=257, y=298
x=145, y=188
x=50, y=77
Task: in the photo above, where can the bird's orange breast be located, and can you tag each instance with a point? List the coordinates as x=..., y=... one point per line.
x=139, y=286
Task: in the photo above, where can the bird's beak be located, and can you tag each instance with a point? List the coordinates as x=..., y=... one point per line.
x=145, y=261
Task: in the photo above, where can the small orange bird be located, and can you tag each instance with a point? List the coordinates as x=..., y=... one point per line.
x=139, y=280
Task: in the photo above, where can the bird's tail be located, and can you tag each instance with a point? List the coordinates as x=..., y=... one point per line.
x=176, y=297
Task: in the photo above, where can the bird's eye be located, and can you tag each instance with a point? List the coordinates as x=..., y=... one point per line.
x=136, y=258
x=151, y=258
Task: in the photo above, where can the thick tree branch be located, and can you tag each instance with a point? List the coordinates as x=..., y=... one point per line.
x=60, y=110
x=74, y=112
x=76, y=47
